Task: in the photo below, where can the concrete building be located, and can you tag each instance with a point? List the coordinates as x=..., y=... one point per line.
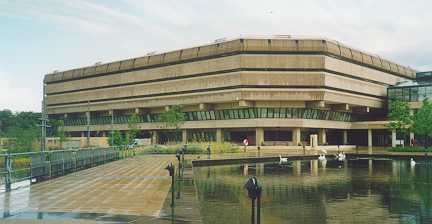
x=274, y=91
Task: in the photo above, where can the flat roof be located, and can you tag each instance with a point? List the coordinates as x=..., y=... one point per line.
x=223, y=47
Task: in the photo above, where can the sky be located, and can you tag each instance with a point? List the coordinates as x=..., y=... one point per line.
x=39, y=37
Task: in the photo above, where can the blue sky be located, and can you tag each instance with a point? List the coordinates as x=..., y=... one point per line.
x=38, y=37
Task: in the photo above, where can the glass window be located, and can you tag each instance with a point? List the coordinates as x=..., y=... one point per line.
x=212, y=115
x=241, y=113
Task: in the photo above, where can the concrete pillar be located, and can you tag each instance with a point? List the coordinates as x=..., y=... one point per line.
x=259, y=136
x=154, y=138
x=370, y=143
x=184, y=136
x=219, y=135
x=411, y=134
x=260, y=169
x=245, y=170
x=296, y=136
x=322, y=137
x=314, y=167
x=297, y=167
x=393, y=138
x=345, y=137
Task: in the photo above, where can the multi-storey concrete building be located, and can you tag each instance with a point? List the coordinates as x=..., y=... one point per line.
x=272, y=91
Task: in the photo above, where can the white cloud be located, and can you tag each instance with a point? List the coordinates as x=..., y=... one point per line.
x=81, y=32
x=17, y=94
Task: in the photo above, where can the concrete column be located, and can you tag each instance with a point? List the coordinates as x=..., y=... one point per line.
x=393, y=138
x=184, y=136
x=322, y=137
x=411, y=137
x=345, y=137
x=370, y=144
x=259, y=136
x=297, y=167
x=314, y=167
x=296, y=136
x=219, y=135
x=245, y=170
x=154, y=138
x=88, y=116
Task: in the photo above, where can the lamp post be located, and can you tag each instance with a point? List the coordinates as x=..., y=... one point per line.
x=171, y=169
x=254, y=193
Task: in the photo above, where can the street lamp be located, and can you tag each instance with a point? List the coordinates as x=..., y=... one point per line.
x=254, y=193
x=171, y=169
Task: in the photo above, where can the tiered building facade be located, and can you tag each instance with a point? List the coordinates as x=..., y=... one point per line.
x=275, y=91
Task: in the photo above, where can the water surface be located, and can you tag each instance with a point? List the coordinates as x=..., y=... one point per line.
x=357, y=191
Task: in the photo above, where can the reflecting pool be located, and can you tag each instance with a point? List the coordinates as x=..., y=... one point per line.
x=360, y=190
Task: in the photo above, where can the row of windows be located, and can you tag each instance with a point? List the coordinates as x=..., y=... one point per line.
x=228, y=114
x=410, y=94
x=250, y=113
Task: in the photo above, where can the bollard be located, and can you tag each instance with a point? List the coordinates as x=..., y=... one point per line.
x=171, y=169
x=254, y=193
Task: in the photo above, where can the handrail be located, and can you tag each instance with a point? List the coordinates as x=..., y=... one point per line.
x=44, y=165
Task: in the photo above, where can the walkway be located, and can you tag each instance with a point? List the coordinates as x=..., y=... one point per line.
x=121, y=190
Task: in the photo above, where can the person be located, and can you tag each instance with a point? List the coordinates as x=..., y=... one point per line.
x=245, y=143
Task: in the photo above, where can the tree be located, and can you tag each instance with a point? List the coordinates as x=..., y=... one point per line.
x=422, y=125
x=173, y=118
x=58, y=131
x=22, y=126
x=116, y=139
x=399, y=116
x=133, y=131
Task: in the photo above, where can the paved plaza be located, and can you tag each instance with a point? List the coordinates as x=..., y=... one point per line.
x=134, y=187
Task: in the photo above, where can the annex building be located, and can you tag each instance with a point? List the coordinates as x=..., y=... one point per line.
x=274, y=91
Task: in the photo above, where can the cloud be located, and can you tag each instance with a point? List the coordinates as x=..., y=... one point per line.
x=67, y=34
x=17, y=94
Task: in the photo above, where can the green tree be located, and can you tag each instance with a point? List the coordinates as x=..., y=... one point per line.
x=173, y=118
x=58, y=131
x=21, y=126
x=6, y=120
x=133, y=131
x=116, y=139
x=399, y=116
x=422, y=125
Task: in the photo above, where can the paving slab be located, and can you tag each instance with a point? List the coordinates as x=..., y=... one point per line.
x=124, y=189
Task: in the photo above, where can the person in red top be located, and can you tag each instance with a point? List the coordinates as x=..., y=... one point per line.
x=245, y=143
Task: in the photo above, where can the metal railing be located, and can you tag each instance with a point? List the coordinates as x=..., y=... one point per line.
x=38, y=166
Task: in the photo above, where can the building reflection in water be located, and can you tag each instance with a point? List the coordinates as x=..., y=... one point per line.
x=364, y=190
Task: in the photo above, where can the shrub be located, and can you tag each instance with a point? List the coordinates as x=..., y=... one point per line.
x=193, y=148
